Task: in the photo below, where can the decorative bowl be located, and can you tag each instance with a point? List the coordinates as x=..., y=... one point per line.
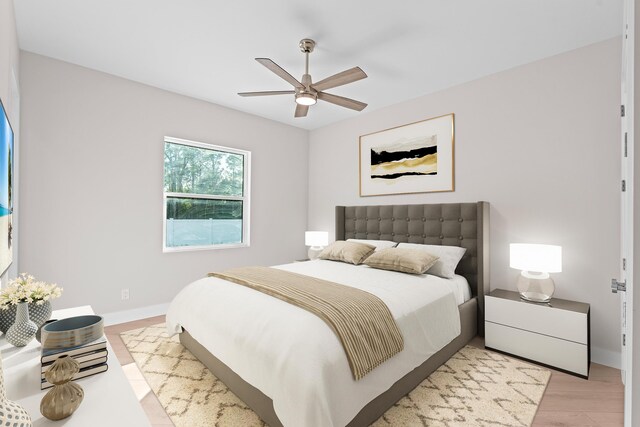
x=72, y=331
x=39, y=333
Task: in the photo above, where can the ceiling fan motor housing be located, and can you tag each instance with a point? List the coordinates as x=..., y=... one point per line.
x=306, y=95
x=306, y=82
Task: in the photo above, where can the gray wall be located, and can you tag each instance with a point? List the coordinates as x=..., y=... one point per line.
x=8, y=50
x=540, y=143
x=92, y=163
x=9, y=93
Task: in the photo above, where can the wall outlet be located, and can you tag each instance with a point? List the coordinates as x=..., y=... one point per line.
x=124, y=294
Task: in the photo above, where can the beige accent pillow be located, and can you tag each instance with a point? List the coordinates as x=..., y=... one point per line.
x=448, y=257
x=412, y=261
x=350, y=252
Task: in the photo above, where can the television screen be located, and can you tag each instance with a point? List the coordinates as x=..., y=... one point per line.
x=6, y=190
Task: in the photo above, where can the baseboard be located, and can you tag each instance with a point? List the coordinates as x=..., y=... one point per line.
x=606, y=357
x=135, y=314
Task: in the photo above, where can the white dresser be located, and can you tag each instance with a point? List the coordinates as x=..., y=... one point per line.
x=554, y=334
x=108, y=400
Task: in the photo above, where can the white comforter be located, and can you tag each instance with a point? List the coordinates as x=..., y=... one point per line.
x=293, y=357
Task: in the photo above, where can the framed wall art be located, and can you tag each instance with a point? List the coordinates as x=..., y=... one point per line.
x=6, y=190
x=414, y=158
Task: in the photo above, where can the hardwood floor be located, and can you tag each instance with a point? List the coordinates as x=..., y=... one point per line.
x=568, y=401
x=152, y=407
x=572, y=401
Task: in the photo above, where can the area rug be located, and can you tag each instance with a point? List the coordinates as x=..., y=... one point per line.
x=474, y=388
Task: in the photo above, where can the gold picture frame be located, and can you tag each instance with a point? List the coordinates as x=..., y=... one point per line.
x=414, y=158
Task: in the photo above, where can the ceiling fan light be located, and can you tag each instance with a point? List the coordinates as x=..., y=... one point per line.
x=305, y=99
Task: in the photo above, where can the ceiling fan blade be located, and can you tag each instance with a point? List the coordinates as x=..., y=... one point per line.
x=342, y=101
x=279, y=71
x=269, y=92
x=352, y=75
x=301, y=110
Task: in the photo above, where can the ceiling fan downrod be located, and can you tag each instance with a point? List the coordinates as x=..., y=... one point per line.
x=306, y=96
x=306, y=46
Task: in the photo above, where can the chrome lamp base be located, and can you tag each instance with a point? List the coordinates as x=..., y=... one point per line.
x=314, y=252
x=535, y=287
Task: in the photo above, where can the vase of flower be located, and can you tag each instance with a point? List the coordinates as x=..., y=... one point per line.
x=7, y=317
x=11, y=413
x=24, y=329
x=26, y=289
x=40, y=312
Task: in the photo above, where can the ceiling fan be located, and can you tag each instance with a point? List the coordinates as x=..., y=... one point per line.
x=306, y=92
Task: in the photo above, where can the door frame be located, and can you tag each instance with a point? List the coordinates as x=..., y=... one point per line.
x=628, y=227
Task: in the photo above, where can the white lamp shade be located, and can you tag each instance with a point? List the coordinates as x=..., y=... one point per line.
x=316, y=238
x=532, y=257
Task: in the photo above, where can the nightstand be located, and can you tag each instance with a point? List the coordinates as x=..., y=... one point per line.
x=556, y=334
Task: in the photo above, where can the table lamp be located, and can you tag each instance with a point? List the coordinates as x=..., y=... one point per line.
x=317, y=240
x=536, y=262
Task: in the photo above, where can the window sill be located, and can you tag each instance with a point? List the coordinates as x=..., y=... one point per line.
x=203, y=248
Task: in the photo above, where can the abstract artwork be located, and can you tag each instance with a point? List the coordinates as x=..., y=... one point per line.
x=6, y=190
x=414, y=158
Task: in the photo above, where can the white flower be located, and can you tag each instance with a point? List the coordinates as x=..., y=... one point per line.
x=25, y=288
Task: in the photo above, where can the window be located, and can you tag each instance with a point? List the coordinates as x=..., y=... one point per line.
x=206, y=196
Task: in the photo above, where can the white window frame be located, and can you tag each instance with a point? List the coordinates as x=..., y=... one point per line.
x=245, y=198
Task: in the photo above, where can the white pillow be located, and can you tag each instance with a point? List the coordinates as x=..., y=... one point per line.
x=448, y=258
x=379, y=244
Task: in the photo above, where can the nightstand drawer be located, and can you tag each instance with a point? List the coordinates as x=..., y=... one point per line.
x=542, y=319
x=556, y=352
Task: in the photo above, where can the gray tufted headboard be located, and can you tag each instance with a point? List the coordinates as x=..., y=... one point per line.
x=451, y=224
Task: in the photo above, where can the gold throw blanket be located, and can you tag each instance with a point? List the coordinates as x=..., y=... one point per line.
x=362, y=322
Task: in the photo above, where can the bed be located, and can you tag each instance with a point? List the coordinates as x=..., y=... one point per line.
x=278, y=386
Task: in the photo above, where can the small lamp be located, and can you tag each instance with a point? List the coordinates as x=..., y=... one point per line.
x=317, y=240
x=536, y=262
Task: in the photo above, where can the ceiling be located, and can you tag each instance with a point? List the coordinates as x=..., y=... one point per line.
x=408, y=48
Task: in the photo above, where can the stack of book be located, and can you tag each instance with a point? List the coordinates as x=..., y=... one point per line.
x=92, y=358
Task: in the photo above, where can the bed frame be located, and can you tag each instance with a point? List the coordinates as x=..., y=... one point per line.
x=451, y=224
